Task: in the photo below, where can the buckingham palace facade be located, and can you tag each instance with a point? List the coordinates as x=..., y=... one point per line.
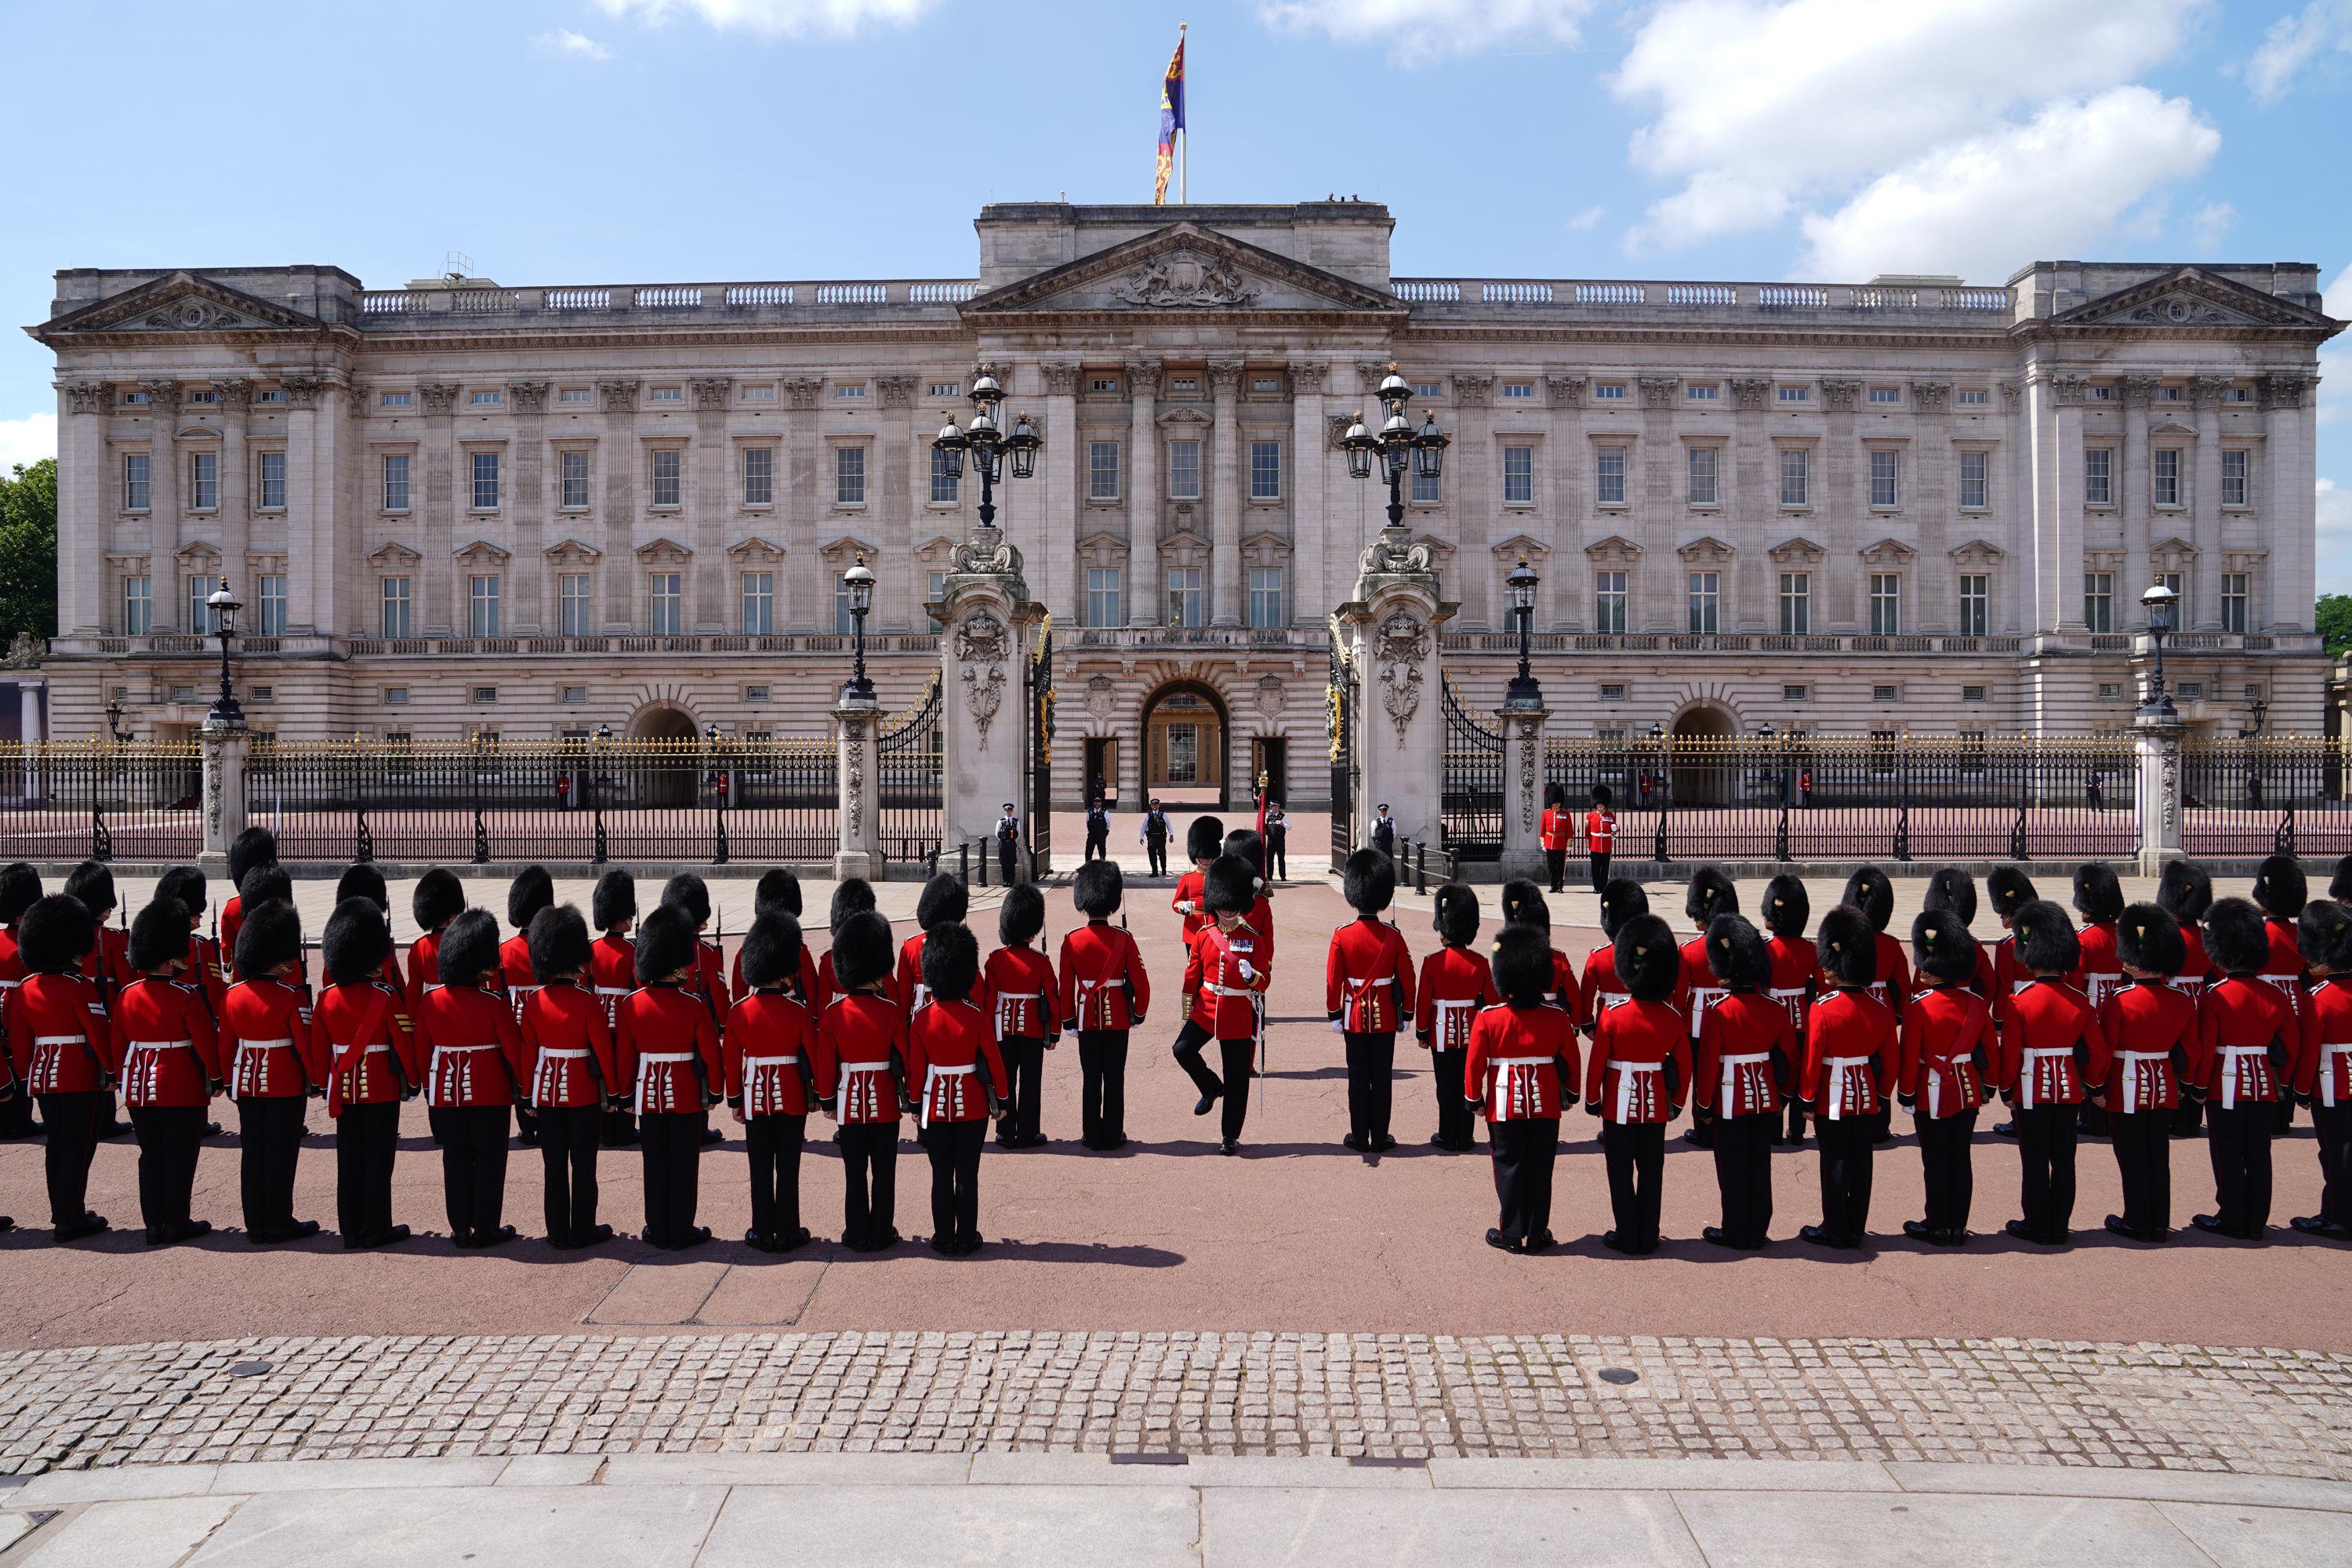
x=461, y=507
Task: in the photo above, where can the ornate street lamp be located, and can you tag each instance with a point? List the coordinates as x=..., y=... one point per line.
x=859, y=580
x=114, y=721
x=2257, y=709
x=2160, y=602
x=1523, y=692
x=993, y=450
x=1397, y=447
x=225, y=714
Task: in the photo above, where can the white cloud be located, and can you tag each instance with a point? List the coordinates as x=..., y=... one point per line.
x=2335, y=355
x=2209, y=223
x=2294, y=42
x=1588, y=219
x=778, y=19
x=24, y=442
x=1428, y=30
x=575, y=45
x=2334, y=556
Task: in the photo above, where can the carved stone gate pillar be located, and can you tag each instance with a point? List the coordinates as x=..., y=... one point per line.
x=1393, y=625
x=1523, y=781
x=2157, y=741
x=225, y=748
x=857, y=724
x=987, y=623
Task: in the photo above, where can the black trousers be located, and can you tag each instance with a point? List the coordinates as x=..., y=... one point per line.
x=2282, y=1110
x=1600, y=872
x=1524, y=1152
x=1098, y=846
x=869, y=1168
x=1237, y=1056
x=1155, y=852
x=2045, y=1157
x=2143, y=1142
x=169, y=1138
x=526, y=1122
x=366, y=1138
x=2335, y=1129
x=1024, y=1064
x=1846, y=1160
x=954, y=1148
x=270, y=1131
x=1635, y=1153
x=568, y=1141
x=2239, y=1144
x=1102, y=1087
x=1743, y=1173
x=1947, y=1166
x=1455, y=1126
x=1370, y=1093
x=1278, y=854
x=671, y=1144
x=775, y=1144
x=473, y=1166
x=2189, y=1120
x=71, y=1120
x=1795, y=1130
x=17, y=1115
x=1006, y=858
x=1556, y=861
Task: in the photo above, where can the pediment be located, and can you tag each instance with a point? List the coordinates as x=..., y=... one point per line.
x=1797, y=547
x=662, y=550
x=179, y=303
x=483, y=550
x=2175, y=545
x=2190, y=298
x=937, y=542
x=1888, y=550
x=1179, y=414
x=756, y=549
x=393, y=553
x=1976, y=549
x=2172, y=427
x=571, y=550
x=1705, y=547
x=1521, y=544
x=1615, y=546
x=1183, y=533
x=195, y=548
x=1183, y=270
x=1105, y=539
x=847, y=544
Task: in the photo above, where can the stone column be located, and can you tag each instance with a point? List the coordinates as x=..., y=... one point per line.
x=526, y=406
x=2290, y=425
x=89, y=490
x=309, y=547
x=987, y=623
x=1393, y=625
x=805, y=601
x=900, y=593
x=1477, y=495
x=1753, y=501
x=1841, y=606
x=2156, y=739
x=2055, y=431
x=237, y=491
x=225, y=748
x=1146, y=587
x=1658, y=603
x=709, y=498
x=1932, y=507
x=436, y=609
x=1571, y=587
x=1226, y=507
x=856, y=724
x=2139, y=395
x=1310, y=468
x=1053, y=528
x=619, y=456
x=164, y=512
x=1523, y=781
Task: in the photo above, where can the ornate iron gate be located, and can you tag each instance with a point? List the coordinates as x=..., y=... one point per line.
x=1339, y=724
x=1041, y=751
x=910, y=769
x=1470, y=806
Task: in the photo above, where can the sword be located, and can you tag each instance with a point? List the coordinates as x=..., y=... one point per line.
x=987, y=1084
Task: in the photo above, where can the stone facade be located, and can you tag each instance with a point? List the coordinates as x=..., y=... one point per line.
x=1843, y=506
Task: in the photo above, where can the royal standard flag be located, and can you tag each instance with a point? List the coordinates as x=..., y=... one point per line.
x=1171, y=121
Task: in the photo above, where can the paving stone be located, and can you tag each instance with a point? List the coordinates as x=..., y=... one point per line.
x=581, y=1527
x=148, y=1533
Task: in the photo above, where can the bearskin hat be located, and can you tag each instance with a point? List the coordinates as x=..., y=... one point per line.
x=778, y=893
x=363, y=882
x=1368, y=881
x=1942, y=947
x=2235, y=936
x=1736, y=952
x=254, y=847
x=851, y=895
x=2099, y=895
x=1097, y=887
x=356, y=942
x=952, y=960
x=666, y=944
x=1523, y=904
x=772, y=949
x=1602, y=797
x=2280, y=886
x=1621, y=900
x=1953, y=889
x=2339, y=886
x=2184, y=890
x=264, y=883
x=469, y=948
x=943, y=898
x=1522, y=964
x=690, y=893
x=1788, y=908
x=1021, y=916
x=159, y=933
x=93, y=884
x=1229, y=885
x=20, y=889
x=531, y=890
x=1453, y=914
x=1847, y=944
x=1555, y=794
x=1245, y=843
x=2010, y=890
x=56, y=934
x=861, y=949
x=2046, y=942
x=271, y=936
x=1205, y=838
x=615, y=900
x=438, y=898
x=558, y=940
x=1648, y=961
x=1869, y=892
x=2149, y=938
x=1711, y=893
x=185, y=885
x=2323, y=934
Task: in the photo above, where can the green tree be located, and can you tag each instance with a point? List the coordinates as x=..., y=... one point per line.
x=2332, y=617
x=28, y=552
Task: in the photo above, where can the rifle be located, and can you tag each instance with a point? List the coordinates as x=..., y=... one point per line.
x=1126, y=984
x=987, y=1084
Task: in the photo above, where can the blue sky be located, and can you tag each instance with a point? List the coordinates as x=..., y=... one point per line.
x=644, y=141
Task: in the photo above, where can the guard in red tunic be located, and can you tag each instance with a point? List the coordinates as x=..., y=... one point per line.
x=1600, y=837
x=1224, y=978
x=274, y=1068
x=2053, y=1054
x=2152, y=1028
x=1105, y=993
x=1244, y=845
x=1368, y=997
x=952, y=1057
x=254, y=848
x=367, y=883
x=2099, y=904
x=1556, y=830
x=861, y=1074
x=1852, y=1060
x=2185, y=891
x=2247, y=1033
x=1521, y=1071
x=531, y=890
x=1796, y=975
x=570, y=1072
x=778, y=893
x=2340, y=883
x=771, y=1050
x=2281, y=890
x=1710, y=893
x=1745, y=1058
x=1523, y=905
x=1869, y=892
x=374, y=1063
x=2323, y=1064
x=1204, y=840
x=1018, y=990
x=612, y=975
x=944, y=901
x=2010, y=890
x=1947, y=1054
x=851, y=895
x=263, y=885
x=474, y=1071
x=166, y=1056
x=665, y=1046
x=690, y=893
x=1953, y=891
x=1455, y=984
x=1636, y=1077
x=439, y=899
x=186, y=885
x=20, y=889
x=61, y=1043
x=107, y=967
x=1621, y=900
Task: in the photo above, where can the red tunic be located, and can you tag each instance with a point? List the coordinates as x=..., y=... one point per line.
x=1600, y=832
x=1522, y=1061
x=107, y=966
x=1455, y=984
x=1017, y=989
x=944, y=1044
x=2284, y=969
x=769, y=1038
x=2197, y=970
x=267, y=1042
x=2323, y=1067
x=1598, y=991
x=521, y=981
x=1947, y=1049
x=2098, y=971
x=1564, y=994
x=1368, y=977
x=1796, y=964
x=906, y=984
x=1852, y=1055
x=58, y=1035
x=1217, y=995
x=2053, y=1051
x=1556, y=827
x=667, y=1046
x=1696, y=988
x=371, y=1045
x=567, y=1048
x=1746, y=1048
x=205, y=967
x=2151, y=1027
x=803, y=987
x=1186, y=901
x=856, y=1038
x=710, y=977
x=1893, y=986
x=1103, y=982
x=165, y=1049
x=2008, y=979
x=474, y=1052
x=612, y=971
x=1640, y=1069
x=423, y=967
x=232, y=919
x=2247, y=1032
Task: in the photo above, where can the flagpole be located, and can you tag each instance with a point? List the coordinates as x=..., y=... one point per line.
x=1185, y=146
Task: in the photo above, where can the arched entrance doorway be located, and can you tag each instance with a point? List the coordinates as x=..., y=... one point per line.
x=653, y=779
x=1185, y=728
x=1705, y=769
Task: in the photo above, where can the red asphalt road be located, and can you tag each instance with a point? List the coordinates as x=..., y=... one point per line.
x=1298, y=1233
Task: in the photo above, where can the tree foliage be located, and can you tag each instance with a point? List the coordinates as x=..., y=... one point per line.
x=28, y=552
x=2332, y=618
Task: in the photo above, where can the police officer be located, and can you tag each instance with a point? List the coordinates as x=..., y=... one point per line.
x=1098, y=830
x=1008, y=844
x=1154, y=834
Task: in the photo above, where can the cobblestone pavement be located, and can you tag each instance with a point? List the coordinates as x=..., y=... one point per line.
x=1998, y=1401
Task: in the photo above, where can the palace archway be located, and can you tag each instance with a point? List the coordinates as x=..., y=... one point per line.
x=657, y=781
x=1704, y=768
x=1185, y=728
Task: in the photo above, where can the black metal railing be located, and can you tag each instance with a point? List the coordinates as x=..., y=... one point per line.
x=99, y=800
x=2243, y=798
x=1470, y=804
x=911, y=768
x=1040, y=681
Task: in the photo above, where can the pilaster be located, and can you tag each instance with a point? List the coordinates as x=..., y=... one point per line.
x=310, y=433
x=436, y=607
x=1751, y=501
x=2138, y=397
x=1841, y=607
x=804, y=601
x=712, y=494
x=527, y=409
x=2290, y=426
x=619, y=458
x=166, y=514
x=1227, y=509
x=856, y=724
x=89, y=492
x=1523, y=780
x=1477, y=507
x=1310, y=459
x=233, y=400
x=1146, y=583
x=1054, y=526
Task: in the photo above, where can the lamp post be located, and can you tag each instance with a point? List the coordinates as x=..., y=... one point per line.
x=114, y=721
x=990, y=444
x=2257, y=709
x=1398, y=448
x=225, y=714
x=859, y=580
x=2160, y=602
x=1524, y=690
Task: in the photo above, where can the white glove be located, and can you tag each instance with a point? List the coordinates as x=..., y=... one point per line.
x=1184, y=906
x=1339, y=1025
x=1248, y=973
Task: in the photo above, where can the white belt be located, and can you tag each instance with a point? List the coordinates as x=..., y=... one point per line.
x=1447, y=1009
x=922, y=998
x=1605, y=1000
x=2130, y=1062
x=2327, y=1055
x=2230, y=1056
x=652, y=1059
x=567, y=1053
x=1936, y=1083
x=1502, y=1084
x=144, y=1084
x=1838, y=1068
x=1005, y=996
x=932, y=1076
x=2029, y=1074
x=1242, y=991
x=762, y=1061
x=1730, y=1071
x=1702, y=998
x=2096, y=986
x=755, y=1102
x=2191, y=984
x=161, y=1045
x=866, y=1097
x=84, y=1039
x=612, y=991
x=1628, y=1074
x=647, y=1056
x=1090, y=991
x=241, y=1078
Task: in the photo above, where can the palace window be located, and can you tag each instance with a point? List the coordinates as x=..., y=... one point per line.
x=270, y=472
x=759, y=476
x=1518, y=391
x=1796, y=604
x=138, y=606
x=2099, y=601
x=2099, y=477
x=944, y=389
x=2236, y=594
x=1102, y=470
x=1795, y=394
x=1608, y=601
x=395, y=481
x=1103, y=383
x=576, y=395
x=272, y=606
x=201, y=619
x=398, y=399
x=1265, y=608
x=1796, y=477
x=1184, y=597
x=761, y=394
x=204, y=480
x=2167, y=475
x=1425, y=490
x=1886, y=474
x=1974, y=396
x=572, y=468
x=668, y=605
x=1183, y=470
x=486, y=482
x=669, y=467
x=1705, y=464
x=1609, y=391
x=844, y=621
x=1429, y=389
x=1103, y=597
x=1701, y=392
x=947, y=479
x=1609, y=477
x=137, y=488
x=572, y=605
x=678, y=395
x=277, y=394
x=482, y=604
x=1704, y=592
x=1886, y=603
x=1265, y=470
x=1973, y=488
x=1518, y=475
x=484, y=400
x=1885, y=395
x=848, y=392
x=2233, y=476
x=849, y=476
x=758, y=603
x=394, y=599
x=1975, y=603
